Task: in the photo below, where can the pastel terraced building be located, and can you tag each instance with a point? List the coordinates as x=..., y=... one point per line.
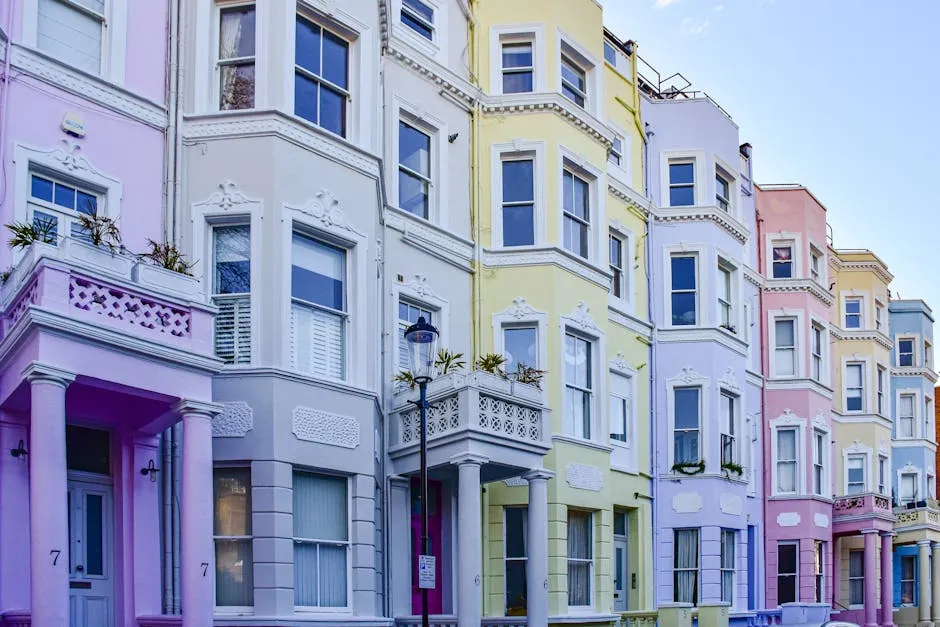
x=863, y=520
x=913, y=472
x=798, y=398
x=561, y=285
x=706, y=364
x=100, y=352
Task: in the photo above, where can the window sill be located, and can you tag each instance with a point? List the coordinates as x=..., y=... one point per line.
x=582, y=442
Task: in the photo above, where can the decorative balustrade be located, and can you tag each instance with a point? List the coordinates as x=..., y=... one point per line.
x=478, y=402
x=861, y=504
x=436, y=621
x=765, y=618
x=91, y=285
x=919, y=516
x=639, y=618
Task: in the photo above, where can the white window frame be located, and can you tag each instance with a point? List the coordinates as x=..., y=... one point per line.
x=568, y=46
x=518, y=150
x=416, y=290
x=350, y=542
x=822, y=355
x=819, y=569
x=879, y=316
x=113, y=38
x=669, y=185
x=430, y=25
x=821, y=460
x=816, y=264
x=592, y=590
x=795, y=575
x=437, y=47
x=517, y=33
x=439, y=163
x=785, y=421
x=881, y=390
x=689, y=379
x=623, y=169
x=725, y=265
x=65, y=219
x=928, y=354
x=866, y=375
x=792, y=262
x=625, y=454
x=862, y=317
x=882, y=474
x=626, y=303
x=725, y=172
x=795, y=349
x=911, y=582
x=795, y=462
x=218, y=7
x=506, y=558
x=784, y=238
x=311, y=220
x=724, y=569
x=522, y=314
x=850, y=578
x=570, y=161
x=594, y=391
x=235, y=609
x=931, y=485
x=698, y=569
x=734, y=423
x=698, y=253
x=913, y=339
x=911, y=471
x=217, y=298
x=864, y=456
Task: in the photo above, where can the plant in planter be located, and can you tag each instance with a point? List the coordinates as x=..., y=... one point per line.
x=5, y=276
x=168, y=256
x=689, y=468
x=446, y=362
x=491, y=363
x=732, y=467
x=25, y=233
x=100, y=231
x=530, y=375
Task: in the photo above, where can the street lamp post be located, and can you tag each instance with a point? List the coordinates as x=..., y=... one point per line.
x=422, y=345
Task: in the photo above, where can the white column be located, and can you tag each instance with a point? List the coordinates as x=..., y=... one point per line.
x=469, y=562
x=399, y=546
x=536, y=576
x=197, y=554
x=935, y=612
x=923, y=602
x=48, y=496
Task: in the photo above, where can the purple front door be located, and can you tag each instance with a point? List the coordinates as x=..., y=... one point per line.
x=435, y=596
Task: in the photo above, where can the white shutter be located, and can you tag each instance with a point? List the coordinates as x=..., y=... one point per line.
x=318, y=341
x=233, y=329
x=71, y=34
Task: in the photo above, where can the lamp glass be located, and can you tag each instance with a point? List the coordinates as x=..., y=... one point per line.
x=422, y=349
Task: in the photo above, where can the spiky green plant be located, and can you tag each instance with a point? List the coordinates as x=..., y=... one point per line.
x=492, y=363
x=405, y=378
x=530, y=375
x=448, y=361
x=100, y=231
x=168, y=256
x=25, y=233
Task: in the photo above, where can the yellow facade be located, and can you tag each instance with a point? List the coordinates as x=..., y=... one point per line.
x=573, y=294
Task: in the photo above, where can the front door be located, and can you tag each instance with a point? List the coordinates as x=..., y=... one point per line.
x=435, y=527
x=621, y=574
x=91, y=576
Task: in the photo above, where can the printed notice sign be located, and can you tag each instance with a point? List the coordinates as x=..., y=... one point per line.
x=426, y=569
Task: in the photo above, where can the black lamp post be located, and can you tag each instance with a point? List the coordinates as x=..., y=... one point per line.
x=422, y=348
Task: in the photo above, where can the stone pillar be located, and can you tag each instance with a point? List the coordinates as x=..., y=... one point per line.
x=713, y=614
x=48, y=496
x=871, y=582
x=675, y=615
x=923, y=601
x=935, y=597
x=887, y=579
x=836, y=571
x=197, y=553
x=400, y=550
x=536, y=579
x=469, y=562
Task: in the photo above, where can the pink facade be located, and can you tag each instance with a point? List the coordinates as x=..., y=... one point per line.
x=99, y=352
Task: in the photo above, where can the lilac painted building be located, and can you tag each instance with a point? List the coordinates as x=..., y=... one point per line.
x=707, y=394
x=99, y=352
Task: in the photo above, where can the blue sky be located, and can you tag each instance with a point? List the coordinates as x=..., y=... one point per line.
x=838, y=95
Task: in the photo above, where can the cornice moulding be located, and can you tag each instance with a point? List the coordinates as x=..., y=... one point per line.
x=463, y=91
x=704, y=214
x=91, y=88
x=549, y=255
x=786, y=286
x=549, y=102
x=430, y=237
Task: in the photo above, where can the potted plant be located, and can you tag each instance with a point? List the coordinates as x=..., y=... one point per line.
x=689, y=468
x=164, y=266
x=732, y=467
x=446, y=362
x=25, y=234
x=98, y=243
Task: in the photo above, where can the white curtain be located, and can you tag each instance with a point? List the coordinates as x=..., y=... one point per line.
x=579, y=558
x=686, y=561
x=856, y=578
x=786, y=464
x=727, y=566
x=320, y=540
x=72, y=35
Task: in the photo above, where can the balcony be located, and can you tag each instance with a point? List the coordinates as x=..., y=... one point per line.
x=480, y=413
x=88, y=291
x=851, y=514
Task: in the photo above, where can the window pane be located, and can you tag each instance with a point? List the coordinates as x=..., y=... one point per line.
x=683, y=308
x=683, y=196
x=335, y=59
x=333, y=111
x=681, y=173
x=320, y=507
x=41, y=188
x=517, y=55
x=515, y=587
x=307, y=45
x=318, y=272
x=306, y=99
x=520, y=347
x=237, y=33
x=64, y=196
x=683, y=273
x=86, y=204
x=414, y=149
x=572, y=74
x=233, y=573
x=610, y=55
x=518, y=225
x=783, y=331
x=306, y=575
x=786, y=558
x=412, y=194
x=237, y=87
x=517, y=82
x=232, y=494
x=515, y=532
x=687, y=406
x=232, y=259
x=94, y=534
x=518, y=181
x=854, y=376
x=786, y=444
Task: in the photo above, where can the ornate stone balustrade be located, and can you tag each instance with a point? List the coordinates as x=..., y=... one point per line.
x=78, y=283
x=474, y=412
x=861, y=504
x=639, y=618
x=918, y=517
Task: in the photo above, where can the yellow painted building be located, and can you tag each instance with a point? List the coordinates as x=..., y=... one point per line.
x=561, y=285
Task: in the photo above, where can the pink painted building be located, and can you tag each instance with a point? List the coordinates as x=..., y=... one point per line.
x=100, y=352
x=798, y=395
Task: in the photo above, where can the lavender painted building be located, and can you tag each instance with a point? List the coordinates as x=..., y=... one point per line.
x=707, y=400
x=98, y=353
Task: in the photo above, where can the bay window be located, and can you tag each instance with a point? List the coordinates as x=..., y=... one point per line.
x=684, y=295
x=579, y=386
x=787, y=461
x=518, y=202
x=687, y=427
x=318, y=307
x=685, y=560
x=577, y=213
x=321, y=76
x=580, y=558
x=231, y=292
x=516, y=559
x=231, y=533
x=855, y=474
x=73, y=31
x=573, y=81
x=321, y=540
x=236, y=61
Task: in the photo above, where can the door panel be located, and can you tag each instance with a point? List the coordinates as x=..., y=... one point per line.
x=621, y=574
x=435, y=528
x=91, y=587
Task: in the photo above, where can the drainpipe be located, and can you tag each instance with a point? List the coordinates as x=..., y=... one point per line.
x=8, y=53
x=175, y=463
x=166, y=539
x=650, y=311
x=763, y=390
x=174, y=139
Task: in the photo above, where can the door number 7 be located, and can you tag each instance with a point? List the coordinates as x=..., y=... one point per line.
x=55, y=556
